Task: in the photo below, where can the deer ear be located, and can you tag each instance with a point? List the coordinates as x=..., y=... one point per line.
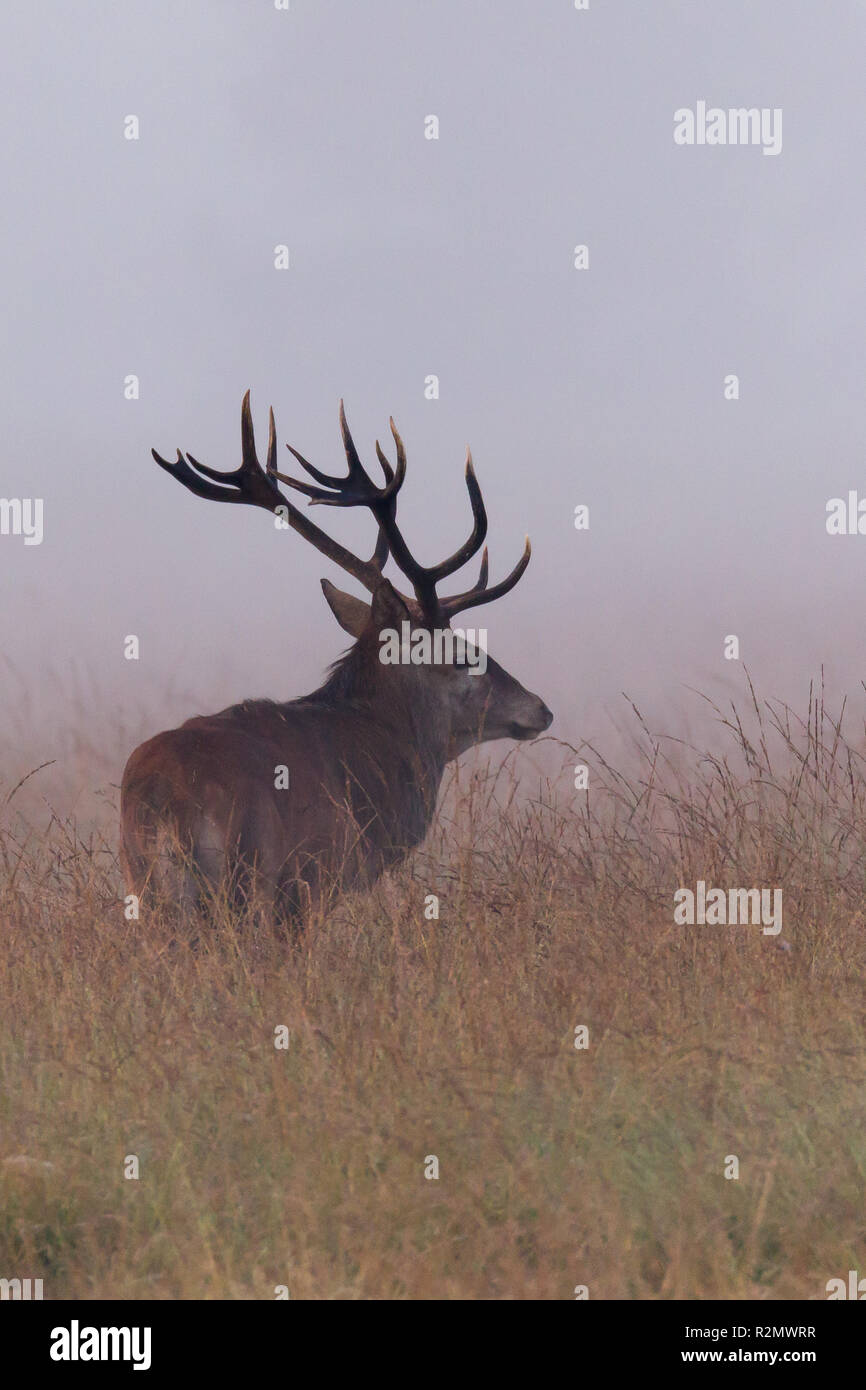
x=351, y=613
x=388, y=608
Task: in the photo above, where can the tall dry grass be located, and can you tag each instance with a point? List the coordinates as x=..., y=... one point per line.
x=455, y=1038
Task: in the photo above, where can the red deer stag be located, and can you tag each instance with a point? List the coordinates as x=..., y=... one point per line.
x=204, y=807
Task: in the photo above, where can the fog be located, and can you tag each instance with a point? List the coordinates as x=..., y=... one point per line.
x=410, y=258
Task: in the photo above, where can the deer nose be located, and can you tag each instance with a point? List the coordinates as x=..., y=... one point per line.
x=540, y=719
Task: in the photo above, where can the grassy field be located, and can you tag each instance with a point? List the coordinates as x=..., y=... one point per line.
x=412, y=1037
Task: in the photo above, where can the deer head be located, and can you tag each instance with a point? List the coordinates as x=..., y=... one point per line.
x=462, y=694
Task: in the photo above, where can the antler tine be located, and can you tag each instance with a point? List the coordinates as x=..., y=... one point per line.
x=271, y=466
x=250, y=462
x=357, y=489
x=479, y=528
x=386, y=467
x=181, y=470
x=482, y=577
x=324, y=478
x=473, y=598
x=247, y=479
x=356, y=467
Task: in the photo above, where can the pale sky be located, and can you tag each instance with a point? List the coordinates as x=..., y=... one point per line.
x=412, y=257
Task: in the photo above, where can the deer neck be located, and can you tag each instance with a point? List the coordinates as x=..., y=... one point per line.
x=407, y=713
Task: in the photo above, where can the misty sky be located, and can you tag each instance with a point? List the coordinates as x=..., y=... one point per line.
x=454, y=257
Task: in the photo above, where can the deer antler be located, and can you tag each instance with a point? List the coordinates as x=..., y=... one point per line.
x=251, y=484
x=257, y=486
x=358, y=489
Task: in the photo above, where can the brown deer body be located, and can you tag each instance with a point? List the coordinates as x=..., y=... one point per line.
x=324, y=792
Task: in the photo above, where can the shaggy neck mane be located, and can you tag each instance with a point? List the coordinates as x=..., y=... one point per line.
x=346, y=680
x=356, y=678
